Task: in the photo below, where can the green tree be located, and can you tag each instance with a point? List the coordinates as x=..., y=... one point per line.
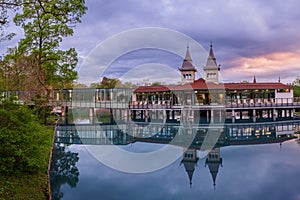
x=107, y=83
x=38, y=63
x=296, y=91
x=296, y=87
x=45, y=23
x=156, y=84
x=23, y=141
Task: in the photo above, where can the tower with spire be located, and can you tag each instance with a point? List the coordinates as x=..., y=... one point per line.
x=189, y=160
x=212, y=68
x=213, y=161
x=187, y=69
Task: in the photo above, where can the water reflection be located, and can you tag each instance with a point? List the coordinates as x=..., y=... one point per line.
x=63, y=170
x=253, y=163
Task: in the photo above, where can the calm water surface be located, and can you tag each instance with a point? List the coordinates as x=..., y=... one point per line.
x=265, y=171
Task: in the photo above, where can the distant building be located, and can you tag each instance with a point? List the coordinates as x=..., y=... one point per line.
x=242, y=101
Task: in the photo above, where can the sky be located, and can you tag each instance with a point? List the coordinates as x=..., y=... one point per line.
x=260, y=38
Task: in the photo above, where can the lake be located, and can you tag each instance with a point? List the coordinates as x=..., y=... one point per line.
x=241, y=165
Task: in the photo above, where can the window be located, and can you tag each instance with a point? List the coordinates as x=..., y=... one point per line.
x=283, y=90
x=212, y=75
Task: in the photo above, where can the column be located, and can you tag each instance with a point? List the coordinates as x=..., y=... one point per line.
x=91, y=114
x=64, y=111
x=207, y=116
x=146, y=115
x=292, y=112
x=233, y=116
x=97, y=95
x=254, y=115
x=274, y=117
x=57, y=96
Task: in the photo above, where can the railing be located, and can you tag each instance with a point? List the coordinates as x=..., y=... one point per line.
x=150, y=105
x=230, y=103
x=260, y=102
x=120, y=98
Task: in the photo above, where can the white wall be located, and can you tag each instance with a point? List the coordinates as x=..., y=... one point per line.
x=289, y=95
x=284, y=94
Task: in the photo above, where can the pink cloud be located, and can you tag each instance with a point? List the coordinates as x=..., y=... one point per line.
x=267, y=65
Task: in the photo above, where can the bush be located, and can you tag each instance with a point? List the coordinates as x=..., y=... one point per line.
x=24, y=142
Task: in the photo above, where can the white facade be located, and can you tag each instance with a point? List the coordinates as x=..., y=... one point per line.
x=284, y=97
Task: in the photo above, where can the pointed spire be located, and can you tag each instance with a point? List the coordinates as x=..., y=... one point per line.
x=188, y=55
x=254, y=79
x=211, y=54
x=279, y=79
x=187, y=64
x=189, y=160
x=211, y=60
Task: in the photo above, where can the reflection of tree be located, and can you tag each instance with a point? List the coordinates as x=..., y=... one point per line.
x=63, y=170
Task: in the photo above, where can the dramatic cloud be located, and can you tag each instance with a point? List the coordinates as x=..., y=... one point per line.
x=249, y=37
x=266, y=67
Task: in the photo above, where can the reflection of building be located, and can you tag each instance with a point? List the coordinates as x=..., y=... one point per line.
x=213, y=161
x=189, y=160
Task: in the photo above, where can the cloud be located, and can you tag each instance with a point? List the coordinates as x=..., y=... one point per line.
x=238, y=28
x=110, y=50
x=266, y=67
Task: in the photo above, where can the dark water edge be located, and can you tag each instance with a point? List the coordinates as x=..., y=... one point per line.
x=266, y=171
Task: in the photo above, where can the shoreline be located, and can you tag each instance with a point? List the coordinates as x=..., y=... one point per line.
x=49, y=192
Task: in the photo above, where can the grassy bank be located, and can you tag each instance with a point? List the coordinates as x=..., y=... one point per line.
x=28, y=185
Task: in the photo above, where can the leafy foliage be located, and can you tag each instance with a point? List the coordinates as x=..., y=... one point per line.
x=296, y=85
x=38, y=58
x=23, y=141
x=106, y=83
x=296, y=91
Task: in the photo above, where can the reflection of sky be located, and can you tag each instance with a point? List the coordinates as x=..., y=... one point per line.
x=248, y=172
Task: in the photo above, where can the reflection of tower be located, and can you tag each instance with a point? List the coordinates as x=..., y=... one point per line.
x=213, y=161
x=190, y=159
x=187, y=69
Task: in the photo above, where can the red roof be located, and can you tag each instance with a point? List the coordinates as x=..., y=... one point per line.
x=245, y=86
x=160, y=88
x=201, y=84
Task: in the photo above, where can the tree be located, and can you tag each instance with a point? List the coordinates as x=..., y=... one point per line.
x=37, y=62
x=45, y=23
x=156, y=84
x=296, y=87
x=23, y=141
x=107, y=83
